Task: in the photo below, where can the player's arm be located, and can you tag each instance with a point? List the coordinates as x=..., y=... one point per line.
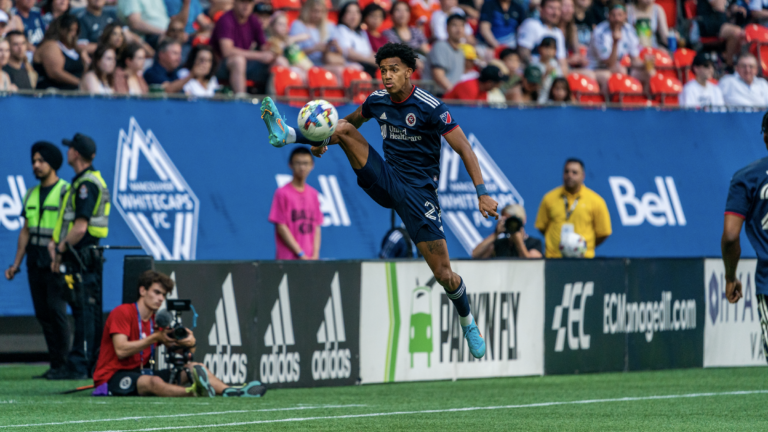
x=731, y=248
x=460, y=144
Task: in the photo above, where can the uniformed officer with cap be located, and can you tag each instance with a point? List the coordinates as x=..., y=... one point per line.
x=82, y=222
x=41, y=211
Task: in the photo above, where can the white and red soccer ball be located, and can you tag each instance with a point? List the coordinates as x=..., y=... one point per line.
x=572, y=245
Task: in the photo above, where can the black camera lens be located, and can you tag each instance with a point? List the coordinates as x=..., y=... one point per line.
x=513, y=224
x=179, y=333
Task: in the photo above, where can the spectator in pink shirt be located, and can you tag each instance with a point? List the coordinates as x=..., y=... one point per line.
x=296, y=212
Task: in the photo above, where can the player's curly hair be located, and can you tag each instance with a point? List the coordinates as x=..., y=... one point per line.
x=402, y=51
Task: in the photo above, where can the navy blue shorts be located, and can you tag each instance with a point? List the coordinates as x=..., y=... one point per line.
x=417, y=207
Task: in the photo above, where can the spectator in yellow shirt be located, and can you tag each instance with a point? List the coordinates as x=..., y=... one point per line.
x=575, y=207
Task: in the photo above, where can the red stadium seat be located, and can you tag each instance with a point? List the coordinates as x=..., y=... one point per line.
x=333, y=16
x=662, y=62
x=358, y=83
x=665, y=90
x=757, y=38
x=670, y=9
x=286, y=4
x=626, y=61
x=324, y=85
x=683, y=59
x=289, y=84
x=292, y=16
x=626, y=89
x=585, y=89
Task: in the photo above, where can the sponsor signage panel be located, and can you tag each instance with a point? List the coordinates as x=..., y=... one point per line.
x=308, y=332
x=663, y=314
x=410, y=329
x=732, y=335
x=224, y=297
x=576, y=339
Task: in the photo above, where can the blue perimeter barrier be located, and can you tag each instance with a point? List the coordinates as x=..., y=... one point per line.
x=194, y=180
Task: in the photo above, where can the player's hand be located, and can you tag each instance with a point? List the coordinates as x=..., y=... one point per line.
x=319, y=151
x=733, y=290
x=488, y=206
x=11, y=272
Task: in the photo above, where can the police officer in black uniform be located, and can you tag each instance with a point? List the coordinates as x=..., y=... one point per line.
x=83, y=222
x=41, y=211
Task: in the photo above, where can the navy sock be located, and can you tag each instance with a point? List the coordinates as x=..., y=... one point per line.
x=301, y=139
x=461, y=302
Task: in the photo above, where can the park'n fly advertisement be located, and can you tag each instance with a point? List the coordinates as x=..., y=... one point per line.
x=409, y=329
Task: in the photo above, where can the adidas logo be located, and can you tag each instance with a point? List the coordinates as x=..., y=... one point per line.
x=383, y=116
x=331, y=362
x=280, y=366
x=225, y=332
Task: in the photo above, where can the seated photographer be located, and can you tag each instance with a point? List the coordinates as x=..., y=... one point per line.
x=128, y=346
x=509, y=239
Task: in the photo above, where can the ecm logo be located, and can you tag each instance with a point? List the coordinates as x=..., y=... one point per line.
x=659, y=209
x=574, y=299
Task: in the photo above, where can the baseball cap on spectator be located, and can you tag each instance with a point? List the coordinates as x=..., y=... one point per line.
x=469, y=51
x=492, y=74
x=263, y=8
x=3, y=17
x=703, y=59
x=49, y=152
x=548, y=42
x=532, y=74
x=455, y=16
x=506, y=52
x=83, y=144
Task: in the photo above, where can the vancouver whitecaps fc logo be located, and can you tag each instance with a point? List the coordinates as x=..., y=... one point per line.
x=458, y=198
x=225, y=333
x=153, y=197
x=332, y=362
x=280, y=366
x=410, y=119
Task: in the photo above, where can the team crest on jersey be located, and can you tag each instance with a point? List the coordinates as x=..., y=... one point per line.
x=410, y=119
x=83, y=192
x=446, y=117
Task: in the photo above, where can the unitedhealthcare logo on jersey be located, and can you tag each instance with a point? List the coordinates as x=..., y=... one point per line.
x=458, y=198
x=332, y=362
x=227, y=366
x=280, y=366
x=331, y=200
x=659, y=209
x=153, y=197
x=11, y=205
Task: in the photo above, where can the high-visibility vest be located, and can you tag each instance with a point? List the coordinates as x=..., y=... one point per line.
x=41, y=222
x=98, y=225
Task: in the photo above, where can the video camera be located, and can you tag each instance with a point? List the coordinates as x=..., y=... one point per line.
x=170, y=319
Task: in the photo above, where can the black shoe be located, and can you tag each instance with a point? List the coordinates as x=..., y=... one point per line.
x=44, y=375
x=66, y=374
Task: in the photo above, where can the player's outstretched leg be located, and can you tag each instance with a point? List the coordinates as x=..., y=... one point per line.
x=278, y=130
x=435, y=252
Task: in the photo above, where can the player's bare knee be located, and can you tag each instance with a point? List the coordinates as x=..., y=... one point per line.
x=443, y=275
x=344, y=127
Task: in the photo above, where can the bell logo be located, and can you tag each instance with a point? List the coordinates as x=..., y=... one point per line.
x=280, y=367
x=659, y=209
x=574, y=300
x=331, y=200
x=225, y=332
x=11, y=205
x=332, y=362
x=153, y=198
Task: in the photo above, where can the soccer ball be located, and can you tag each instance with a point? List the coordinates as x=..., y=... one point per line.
x=573, y=245
x=318, y=120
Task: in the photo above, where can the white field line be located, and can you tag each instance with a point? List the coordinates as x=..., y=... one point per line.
x=183, y=415
x=383, y=414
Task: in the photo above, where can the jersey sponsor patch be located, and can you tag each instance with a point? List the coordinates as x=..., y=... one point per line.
x=446, y=117
x=410, y=119
x=83, y=192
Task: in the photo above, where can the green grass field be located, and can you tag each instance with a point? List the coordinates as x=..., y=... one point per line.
x=694, y=400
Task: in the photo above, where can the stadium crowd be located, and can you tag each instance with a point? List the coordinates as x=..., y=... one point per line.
x=497, y=51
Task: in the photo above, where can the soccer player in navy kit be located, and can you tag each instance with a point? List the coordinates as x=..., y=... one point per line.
x=412, y=122
x=748, y=202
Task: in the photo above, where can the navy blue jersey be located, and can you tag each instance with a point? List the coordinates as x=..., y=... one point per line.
x=748, y=198
x=411, y=130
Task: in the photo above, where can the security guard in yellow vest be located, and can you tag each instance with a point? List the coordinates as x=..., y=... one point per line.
x=40, y=213
x=83, y=221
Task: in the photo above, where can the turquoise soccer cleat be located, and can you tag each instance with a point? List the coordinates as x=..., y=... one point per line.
x=278, y=132
x=252, y=389
x=474, y=339
x=200, y=379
